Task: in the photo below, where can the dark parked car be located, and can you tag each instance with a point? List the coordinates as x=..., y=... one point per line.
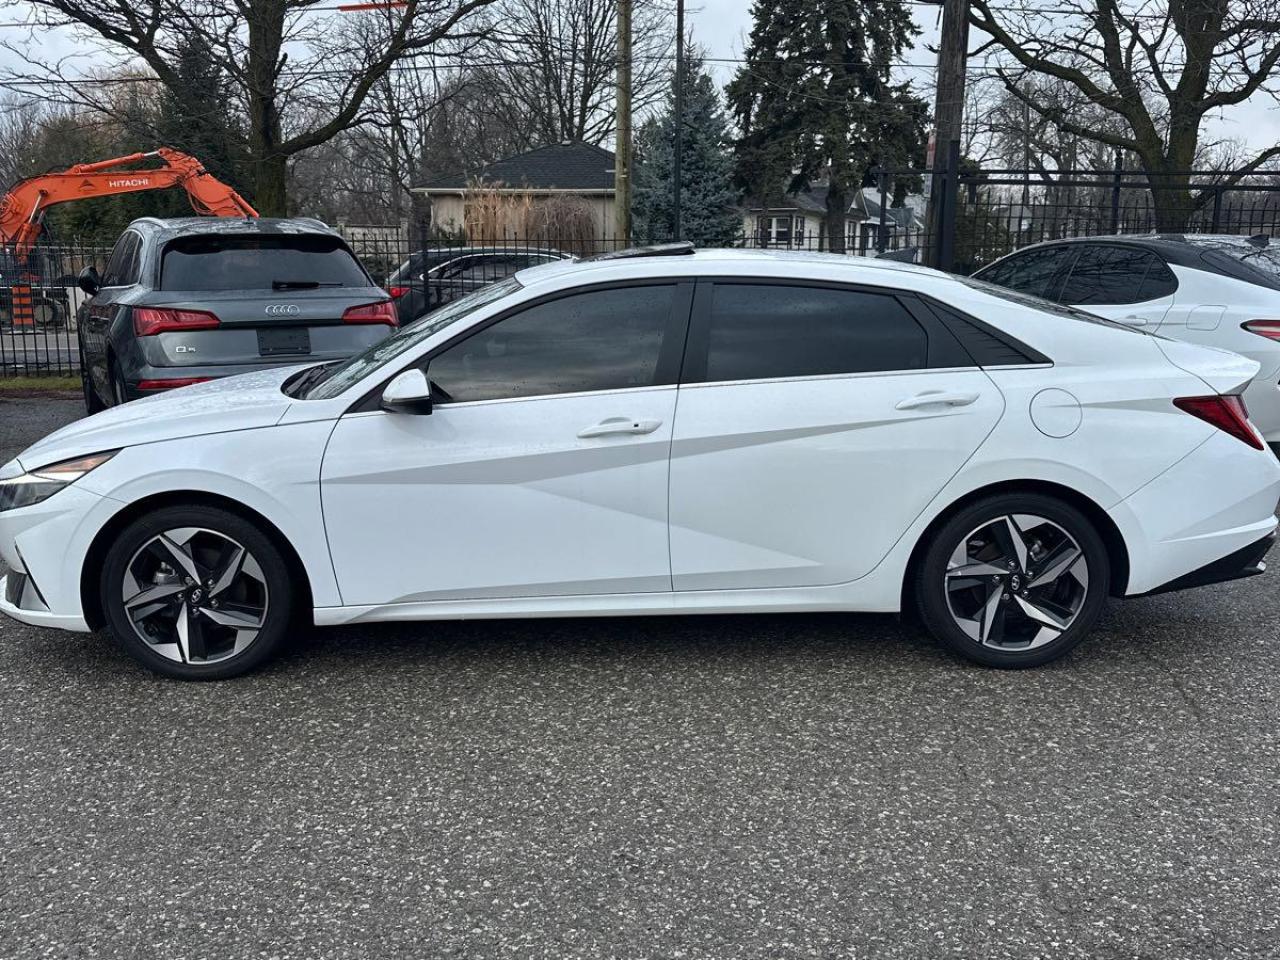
x=186, y=300
x=431, y=278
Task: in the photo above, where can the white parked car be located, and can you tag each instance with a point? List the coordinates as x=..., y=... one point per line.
x=1221, y=291
x=664, y=432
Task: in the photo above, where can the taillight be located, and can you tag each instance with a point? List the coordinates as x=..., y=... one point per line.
x=171, y=384
x=397, y=292
x=384, y=311
x=148, y=321
x=1227, y=413
x=1264, y=328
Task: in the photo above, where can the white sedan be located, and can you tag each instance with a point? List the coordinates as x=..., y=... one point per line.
x=662, y=432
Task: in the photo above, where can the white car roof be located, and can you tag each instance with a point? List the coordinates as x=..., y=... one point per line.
x=800, y=264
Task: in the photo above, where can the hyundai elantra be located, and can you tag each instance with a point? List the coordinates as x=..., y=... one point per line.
x=662, y=432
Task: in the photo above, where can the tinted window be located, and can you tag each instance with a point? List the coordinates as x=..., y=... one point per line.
x=599, y=340
x=209, y=262
x=1160, y=280
x=122, y=267
x=1032, y=272
x=1108, y=274
x=758, y=331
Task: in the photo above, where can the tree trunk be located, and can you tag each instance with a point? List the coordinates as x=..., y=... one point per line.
x=271, y=185
x=837, y=211
x=1171, y=200
x=269, y=165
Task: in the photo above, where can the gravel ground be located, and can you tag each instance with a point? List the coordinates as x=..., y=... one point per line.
x=720, y=787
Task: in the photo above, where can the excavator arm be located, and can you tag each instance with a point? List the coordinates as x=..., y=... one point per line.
x=22, y=208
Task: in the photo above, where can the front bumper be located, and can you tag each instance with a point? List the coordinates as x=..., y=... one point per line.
x=44, y=546
x=41, y=617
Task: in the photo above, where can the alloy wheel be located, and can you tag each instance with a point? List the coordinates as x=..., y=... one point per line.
x=194, y=595
x=1017, y=582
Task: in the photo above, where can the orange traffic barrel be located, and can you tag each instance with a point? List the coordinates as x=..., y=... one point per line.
x=23, y=312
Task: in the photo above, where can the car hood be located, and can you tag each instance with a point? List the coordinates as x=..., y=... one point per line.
x=232, y=403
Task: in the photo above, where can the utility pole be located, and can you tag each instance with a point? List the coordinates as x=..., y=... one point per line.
x=622, y=162
x=677, y=159
x=948, y=113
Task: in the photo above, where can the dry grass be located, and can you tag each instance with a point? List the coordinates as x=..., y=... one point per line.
x=37, y=386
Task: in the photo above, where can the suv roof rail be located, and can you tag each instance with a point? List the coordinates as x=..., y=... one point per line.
x=679, y=249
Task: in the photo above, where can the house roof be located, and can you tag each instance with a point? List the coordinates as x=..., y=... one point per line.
x=561, y=166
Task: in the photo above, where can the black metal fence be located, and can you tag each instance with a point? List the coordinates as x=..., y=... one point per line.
x=978, y=216
x=982, y=214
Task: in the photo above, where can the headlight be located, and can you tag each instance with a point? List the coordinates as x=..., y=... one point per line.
x=31, y=488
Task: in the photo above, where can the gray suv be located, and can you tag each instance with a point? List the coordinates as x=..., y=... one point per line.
x=186, y=300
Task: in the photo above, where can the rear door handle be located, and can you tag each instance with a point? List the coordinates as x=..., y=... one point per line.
x=619, y=425
x=1134, y=320
x=936, y=398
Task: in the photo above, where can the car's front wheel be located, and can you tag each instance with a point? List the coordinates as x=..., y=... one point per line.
x=197, y=593
x=1013, y=580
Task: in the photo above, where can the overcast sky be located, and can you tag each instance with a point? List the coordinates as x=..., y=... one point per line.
x=722, y=27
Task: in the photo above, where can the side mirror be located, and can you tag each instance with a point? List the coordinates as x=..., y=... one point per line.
x=89, y=281
x=408, y=392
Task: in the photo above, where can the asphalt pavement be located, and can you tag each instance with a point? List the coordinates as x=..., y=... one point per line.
x=694, y=787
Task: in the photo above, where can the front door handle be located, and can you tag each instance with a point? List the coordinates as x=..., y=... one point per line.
x=619, y=425
x=936, y=398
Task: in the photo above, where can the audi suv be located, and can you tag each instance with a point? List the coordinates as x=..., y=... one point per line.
x=187, y=300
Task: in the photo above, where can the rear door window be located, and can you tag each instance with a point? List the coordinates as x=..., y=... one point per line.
x=215, y=262
x=1036, y=272
x=122, y=267
x=1106, y=274
x=762, y=331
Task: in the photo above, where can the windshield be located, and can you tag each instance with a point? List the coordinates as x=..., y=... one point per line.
x=1044, y=306
x=339, y=378
x=1260, y=261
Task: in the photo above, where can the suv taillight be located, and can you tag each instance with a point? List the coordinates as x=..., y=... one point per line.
x=384, y=311
x=148, y=321
x=1264, y=328
x=1228, y=413
x=397, y=292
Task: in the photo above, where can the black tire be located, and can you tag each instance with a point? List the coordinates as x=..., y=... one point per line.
x=92, y=402
x=119, y=392
x=935, y=602
x=279, y=592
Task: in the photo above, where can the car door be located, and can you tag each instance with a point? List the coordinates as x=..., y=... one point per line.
x=814, y=424
x=1127, y=284
x=94, y=325
x=541, y=470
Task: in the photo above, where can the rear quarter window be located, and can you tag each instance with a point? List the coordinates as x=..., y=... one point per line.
x=216, y=262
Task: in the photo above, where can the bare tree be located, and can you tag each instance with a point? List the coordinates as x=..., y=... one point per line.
x=551, y=66
x=1159, y=67
x=300, y=74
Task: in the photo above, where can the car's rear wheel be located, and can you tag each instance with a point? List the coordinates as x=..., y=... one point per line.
x=197, y=593
x=1013, y=580
x=119, y=393
x=92, y=402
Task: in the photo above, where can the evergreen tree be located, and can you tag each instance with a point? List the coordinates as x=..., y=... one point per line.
x=814, y=100
x=708, y=199
x=196, y=116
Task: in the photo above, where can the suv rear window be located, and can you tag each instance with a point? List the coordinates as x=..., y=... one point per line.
x=214, y=262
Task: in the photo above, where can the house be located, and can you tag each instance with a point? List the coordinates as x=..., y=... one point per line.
x=503, y=198
x=798, y=221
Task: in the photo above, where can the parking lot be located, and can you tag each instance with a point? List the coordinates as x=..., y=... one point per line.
x=714, y=787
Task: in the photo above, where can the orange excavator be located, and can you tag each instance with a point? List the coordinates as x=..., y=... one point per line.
x=22, y=208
